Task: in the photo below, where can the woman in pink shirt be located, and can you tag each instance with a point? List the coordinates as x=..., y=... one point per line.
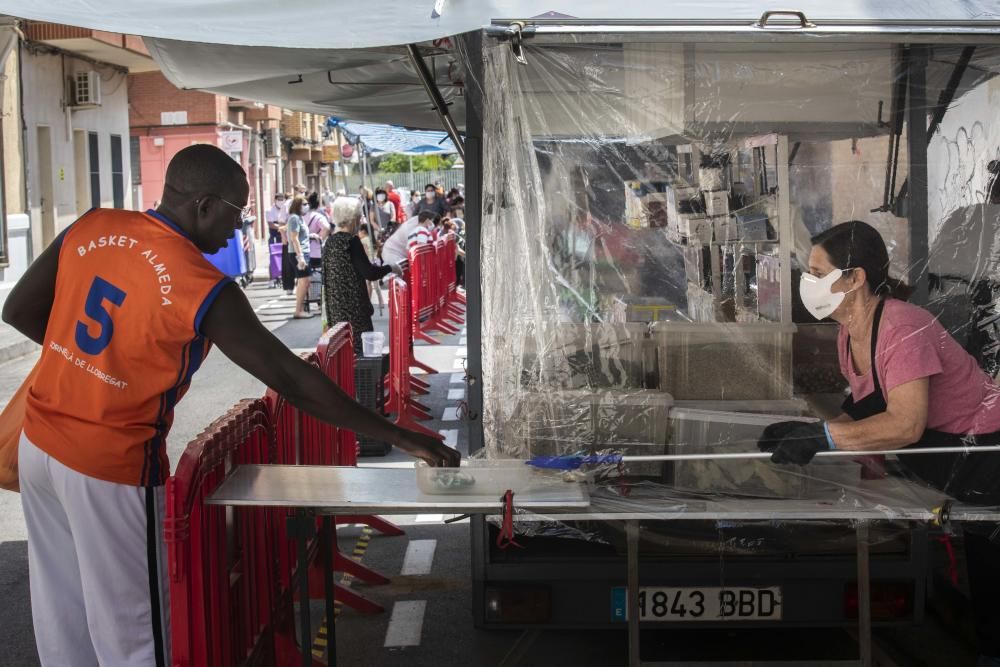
x=912, y=385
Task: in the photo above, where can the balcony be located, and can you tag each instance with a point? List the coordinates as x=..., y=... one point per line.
x=109, y=47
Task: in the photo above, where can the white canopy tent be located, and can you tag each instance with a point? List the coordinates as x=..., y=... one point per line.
x=352, y=69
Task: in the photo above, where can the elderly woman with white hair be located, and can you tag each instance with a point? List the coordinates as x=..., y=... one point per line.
x=346, y=271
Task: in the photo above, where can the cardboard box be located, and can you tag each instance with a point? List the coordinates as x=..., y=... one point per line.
x=717, y=203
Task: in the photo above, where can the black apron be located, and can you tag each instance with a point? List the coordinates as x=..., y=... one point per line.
x=969, y=478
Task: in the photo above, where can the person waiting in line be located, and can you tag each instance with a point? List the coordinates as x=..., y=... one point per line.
x=385, y=214
x=298, y=250
x=319, y=228
x=912, y=386
x=397, y=204
x=287, y=260
x=372, y=250
x=451, y=227
x=275, y=217
x=346, y=271
x=432, y=201
x=411, y=233
x=367, y=200
x=92, y=453
x=413, y=207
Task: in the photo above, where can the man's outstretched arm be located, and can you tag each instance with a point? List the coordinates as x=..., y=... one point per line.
x=232, y=325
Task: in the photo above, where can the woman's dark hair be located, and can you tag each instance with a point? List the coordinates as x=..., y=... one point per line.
x=381, y=191
x=430, y=186
x=858, y=245
x=366, y=228
x=314, y=201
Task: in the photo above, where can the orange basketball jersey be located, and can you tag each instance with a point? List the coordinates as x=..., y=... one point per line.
x=122, y=343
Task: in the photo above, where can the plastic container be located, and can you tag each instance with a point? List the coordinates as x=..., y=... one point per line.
x=567, y=422
x=754, y=227
x=231, y=260
x=372, y=343
x=485, y=478
x=571, y=356
x=707, y=431
x=724, y=361
x=717, y=203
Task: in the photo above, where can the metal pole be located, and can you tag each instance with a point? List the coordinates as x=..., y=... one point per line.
x=328, y=538
x=864, y=597
x=300, y=530
x=440, y=106
x=412, y=184
x=632, y=591
x=916, y=131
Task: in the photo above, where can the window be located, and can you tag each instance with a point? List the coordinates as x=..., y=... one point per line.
x=133, y=146
x=117, y=171
x=95, y=169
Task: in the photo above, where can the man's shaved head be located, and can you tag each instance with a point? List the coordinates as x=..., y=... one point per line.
x=204, y=194
x=204, y=169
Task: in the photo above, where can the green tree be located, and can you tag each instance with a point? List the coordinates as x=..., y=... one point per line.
x=399, y=163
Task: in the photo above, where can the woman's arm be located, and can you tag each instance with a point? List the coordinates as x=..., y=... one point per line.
x=293, y=240
x=901, y=425
x=362, y=265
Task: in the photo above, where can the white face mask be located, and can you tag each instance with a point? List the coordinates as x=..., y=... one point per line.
x=380, y=197
x=430, y=194
x=818, y=296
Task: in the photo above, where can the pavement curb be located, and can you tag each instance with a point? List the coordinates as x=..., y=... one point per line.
x=17, y=350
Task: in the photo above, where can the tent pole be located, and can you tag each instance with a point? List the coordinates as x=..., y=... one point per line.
x=440, y=106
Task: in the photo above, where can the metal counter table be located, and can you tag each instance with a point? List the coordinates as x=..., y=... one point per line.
x=863, y=503
x=324, y=491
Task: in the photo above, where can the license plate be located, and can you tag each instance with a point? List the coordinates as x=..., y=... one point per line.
x=701, y=604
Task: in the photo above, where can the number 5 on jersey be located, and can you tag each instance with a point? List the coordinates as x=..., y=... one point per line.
x=100, y=291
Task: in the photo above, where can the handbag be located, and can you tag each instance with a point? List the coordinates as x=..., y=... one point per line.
x=11, y=423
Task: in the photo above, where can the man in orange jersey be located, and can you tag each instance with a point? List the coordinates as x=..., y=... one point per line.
x=126, y=307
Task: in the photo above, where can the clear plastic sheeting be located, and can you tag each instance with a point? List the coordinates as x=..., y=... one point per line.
x=647, y=214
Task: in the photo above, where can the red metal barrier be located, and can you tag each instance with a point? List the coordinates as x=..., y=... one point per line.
x=335, y=354
x=223, y=593
x=232, y=569
x=445, y=264
x=400, y=401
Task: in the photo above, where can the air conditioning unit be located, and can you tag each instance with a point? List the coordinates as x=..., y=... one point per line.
x=272, y=142
x=85, y=89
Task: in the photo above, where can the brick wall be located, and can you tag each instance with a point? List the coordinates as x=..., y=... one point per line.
x=150, y=93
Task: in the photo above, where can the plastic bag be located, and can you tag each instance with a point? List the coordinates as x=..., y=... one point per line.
x=11, y=421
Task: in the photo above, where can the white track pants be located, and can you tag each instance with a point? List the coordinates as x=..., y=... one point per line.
x=97, y=566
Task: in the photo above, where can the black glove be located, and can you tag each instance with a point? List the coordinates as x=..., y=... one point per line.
x=801, y=444
x=773, y=434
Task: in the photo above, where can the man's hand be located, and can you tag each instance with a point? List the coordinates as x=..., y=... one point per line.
x=301, y=264
x=430, y=450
